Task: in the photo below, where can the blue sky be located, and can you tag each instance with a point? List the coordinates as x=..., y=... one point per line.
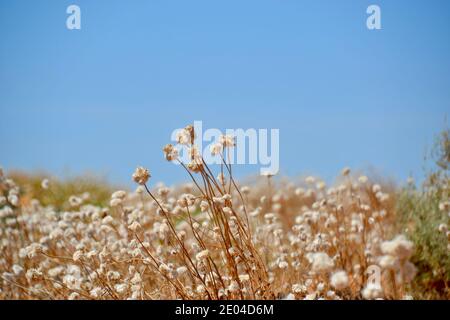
x=107, y=97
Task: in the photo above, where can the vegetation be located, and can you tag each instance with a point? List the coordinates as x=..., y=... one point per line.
x=424, y=213
x=214, y=239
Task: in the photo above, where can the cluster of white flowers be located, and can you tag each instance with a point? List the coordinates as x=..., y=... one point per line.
x=306, y=241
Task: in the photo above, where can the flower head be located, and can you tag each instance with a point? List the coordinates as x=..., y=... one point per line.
x=202, y=255
x=45, y=184
x=339, y=280
x=182, y=137
x=170, y=152
x=216, y=149
x=227, y=140
x=321, y=262
x=141, y=175
x=345, y=171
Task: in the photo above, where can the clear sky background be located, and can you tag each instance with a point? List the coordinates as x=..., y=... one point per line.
x=107, y=97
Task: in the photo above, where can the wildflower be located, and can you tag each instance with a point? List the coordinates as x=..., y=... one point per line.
x=442, y=228
x=121, y=288
x=120, y=194
x=140, y=190
x=96, y=292
x=107, y=220
x=115, y=202
x=113, y=275
x=186, y=200
x=191, y=133
x=376, y=188
x=227, y=210
x=299, y=191
x=245, y=189
x=74, y=296
x=170, y=152
x=233, y=287
x=227, y=140
x=339, y=280
x=216, y=149
x=320, y=287
x=299, y=289
x=398, y=247
x=75, y=201
x=182, y=137
x=202, y=255
x=290, y=296
x=17, y=269
x=310, y=180
x=244, y=277
x=34, y=274
x=164, y=269
x=321, y=262
x=141, y=175
x=134, y=226
x=389, y=262
x=45, y=183
x=321, y=185
x=311, y=296
x=363, y=179
x=13, y=199
x=204, y=206
x=255, y=212
x=77, y=255
x=346, y=171
x=372, y=291
x=201, y=289
x=195, y=166
x=181, y=270
x=444, y=206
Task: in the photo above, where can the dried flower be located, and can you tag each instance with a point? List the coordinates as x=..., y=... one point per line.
x=227, y=141
x=202, y=255
x=321, y=262
x=170, y=152
x=345, y=171
x=141, y=175
x=339, y=280
x=45, y=183
x=216, y=149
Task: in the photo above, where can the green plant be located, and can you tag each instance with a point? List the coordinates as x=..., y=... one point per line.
x=424, y=213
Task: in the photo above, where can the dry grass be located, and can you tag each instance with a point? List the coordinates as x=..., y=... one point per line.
x=208, y=239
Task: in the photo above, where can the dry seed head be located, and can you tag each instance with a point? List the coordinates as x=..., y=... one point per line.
x=45, y=183
x=399, y=247
x=182, y=137
x=195, y=166
x=339, y=280
x=321, y=262
x=141, y=175
x=216, y=149
x=170, y=152
x=202, y=255
x=227, y=141
x=120, y=194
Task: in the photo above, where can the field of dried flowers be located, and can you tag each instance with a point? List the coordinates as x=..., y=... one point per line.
x=215, y=239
